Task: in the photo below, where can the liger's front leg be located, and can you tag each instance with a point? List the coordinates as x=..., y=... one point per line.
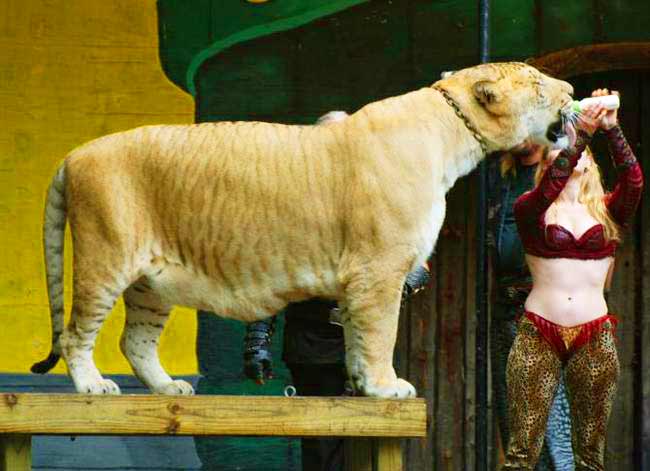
x=370, y=328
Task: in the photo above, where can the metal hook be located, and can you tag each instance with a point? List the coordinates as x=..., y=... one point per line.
x=290, y=391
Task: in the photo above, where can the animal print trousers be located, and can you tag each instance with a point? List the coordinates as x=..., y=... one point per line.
x=533, y=373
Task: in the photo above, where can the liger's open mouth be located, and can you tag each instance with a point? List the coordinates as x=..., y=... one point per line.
x=569, y=118
x=562, y=133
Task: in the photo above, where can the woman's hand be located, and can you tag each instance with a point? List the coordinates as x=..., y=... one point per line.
x=590, y=118
x=610, y=118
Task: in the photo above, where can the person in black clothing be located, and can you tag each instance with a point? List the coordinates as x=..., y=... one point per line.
x=314, y=352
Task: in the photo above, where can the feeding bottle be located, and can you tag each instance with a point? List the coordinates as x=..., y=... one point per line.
x=609, y=102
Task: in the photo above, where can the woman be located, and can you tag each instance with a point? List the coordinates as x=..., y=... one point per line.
x=509, y=177
x=570, y=230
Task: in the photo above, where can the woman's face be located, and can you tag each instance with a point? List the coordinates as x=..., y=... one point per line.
x=528, y=153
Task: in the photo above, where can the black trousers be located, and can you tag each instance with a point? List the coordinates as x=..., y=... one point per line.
x=320, y=454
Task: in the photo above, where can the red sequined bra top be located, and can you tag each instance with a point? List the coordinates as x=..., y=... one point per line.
x=554, y=241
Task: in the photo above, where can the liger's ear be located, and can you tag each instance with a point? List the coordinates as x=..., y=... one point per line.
x=487, y=92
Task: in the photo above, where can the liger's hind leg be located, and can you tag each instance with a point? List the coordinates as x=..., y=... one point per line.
x=92, y=301
x=146, y=315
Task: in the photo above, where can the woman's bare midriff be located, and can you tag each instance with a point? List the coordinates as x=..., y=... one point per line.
x=567, y=291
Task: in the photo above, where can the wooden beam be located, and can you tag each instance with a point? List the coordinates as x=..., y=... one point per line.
x=594, y=58
x=76, y=414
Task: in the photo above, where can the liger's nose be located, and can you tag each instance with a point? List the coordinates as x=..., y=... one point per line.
x=567, y=87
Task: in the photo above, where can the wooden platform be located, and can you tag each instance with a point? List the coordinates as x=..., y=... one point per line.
x=382, y=421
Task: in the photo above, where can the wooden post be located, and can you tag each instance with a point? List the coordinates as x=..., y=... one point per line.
x=358, y=454
x=373, y=454
x=389, y=454
x=16, y=452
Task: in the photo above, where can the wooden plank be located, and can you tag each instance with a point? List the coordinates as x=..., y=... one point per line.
x=421, y=366
x=450, y=401
x=89, y=452
x=622, y=298
x=595, y=58
x=16, y=453
x=495, y=448
x=643, y=154
x=358, y=454
x=471, y=321
x=388, y=454
x=74, y=414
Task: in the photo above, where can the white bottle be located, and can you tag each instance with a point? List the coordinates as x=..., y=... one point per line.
x=609, y=102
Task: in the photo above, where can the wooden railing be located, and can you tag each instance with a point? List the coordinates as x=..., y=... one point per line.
x=373, y=426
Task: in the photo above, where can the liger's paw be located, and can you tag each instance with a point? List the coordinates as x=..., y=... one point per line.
x=103, y=386
x=176, y=388
x=396, y=389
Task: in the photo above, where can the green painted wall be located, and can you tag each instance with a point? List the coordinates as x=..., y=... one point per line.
x=209, y=27
x=442, y=34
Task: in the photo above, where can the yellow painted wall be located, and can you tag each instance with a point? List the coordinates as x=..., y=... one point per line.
x=70, y=71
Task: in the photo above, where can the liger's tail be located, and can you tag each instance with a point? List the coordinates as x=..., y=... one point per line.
x=53, y=240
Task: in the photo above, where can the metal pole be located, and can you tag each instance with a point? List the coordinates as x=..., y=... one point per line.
x=481, y=431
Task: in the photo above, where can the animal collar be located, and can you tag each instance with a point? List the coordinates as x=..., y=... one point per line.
x=451, y=102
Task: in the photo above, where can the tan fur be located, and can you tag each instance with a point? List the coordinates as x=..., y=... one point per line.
x=243, y=218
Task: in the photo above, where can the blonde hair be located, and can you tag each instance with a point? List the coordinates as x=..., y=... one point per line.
x=592, y=195
x=507, y=164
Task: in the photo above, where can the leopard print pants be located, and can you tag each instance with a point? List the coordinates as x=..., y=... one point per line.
x=533, y=372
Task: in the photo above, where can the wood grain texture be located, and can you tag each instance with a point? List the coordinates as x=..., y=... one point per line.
x=622, y=298
x=594, y=58
x=389, y=454
x=452, y=313
x=16, y=453
x=73, y=414
x=643, y=437
x=422, y=329
x=358, y=454
x=470, y=328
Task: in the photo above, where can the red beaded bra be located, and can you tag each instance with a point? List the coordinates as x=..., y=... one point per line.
x=555, y=241
x=560, y=242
